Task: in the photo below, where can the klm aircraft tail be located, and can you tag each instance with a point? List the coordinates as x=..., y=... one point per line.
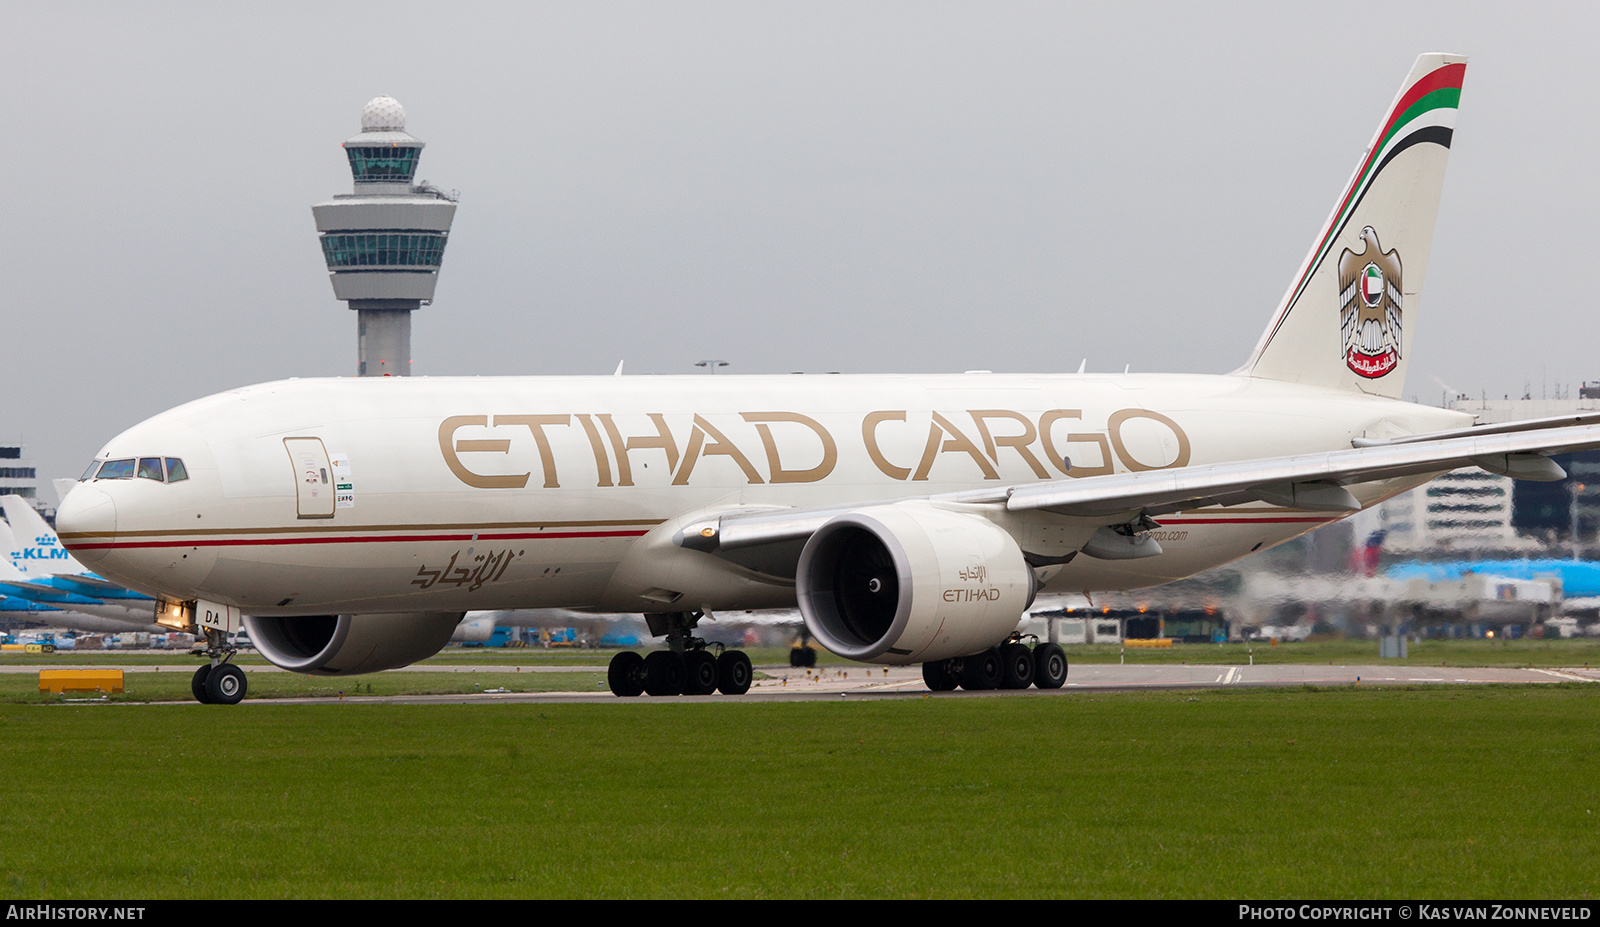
x=34, y=548
x=1349, y=314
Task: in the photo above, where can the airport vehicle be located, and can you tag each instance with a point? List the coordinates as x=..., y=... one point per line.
x=350, y=523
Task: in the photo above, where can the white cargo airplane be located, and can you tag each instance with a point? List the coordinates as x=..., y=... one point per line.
x=912, y=518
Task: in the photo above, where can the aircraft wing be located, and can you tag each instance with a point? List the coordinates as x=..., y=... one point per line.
x=1305, y=481
x=89, y=582
x=1478, y=431
x=41, y=593
x=1308, y=481
x=27, y=587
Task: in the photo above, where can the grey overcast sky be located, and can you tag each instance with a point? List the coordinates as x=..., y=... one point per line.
x=813, y=186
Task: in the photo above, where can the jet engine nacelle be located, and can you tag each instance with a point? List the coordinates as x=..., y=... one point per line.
x=911, y=583
x=345, y=645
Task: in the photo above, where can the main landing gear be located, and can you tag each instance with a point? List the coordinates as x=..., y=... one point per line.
x=686, y=667
x=218, y=682
x=1009, y=666
x=693, y=672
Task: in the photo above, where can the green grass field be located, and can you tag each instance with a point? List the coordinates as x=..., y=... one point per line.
x=23, y=688
x=1291, y=793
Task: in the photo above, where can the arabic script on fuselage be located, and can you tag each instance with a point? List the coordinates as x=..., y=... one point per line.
x=474, y=571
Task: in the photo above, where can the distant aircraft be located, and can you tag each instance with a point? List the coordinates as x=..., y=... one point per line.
x=34, y=547
x=350, y=523
x=35, y=614
x=26, y=611
x=1579, y=578
x=37, y=568
x=36, y=602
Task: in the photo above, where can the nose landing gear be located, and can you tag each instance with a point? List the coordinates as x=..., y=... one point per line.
x=218, y=682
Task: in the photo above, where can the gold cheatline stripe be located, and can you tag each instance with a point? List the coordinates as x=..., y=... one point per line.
x=325, y=528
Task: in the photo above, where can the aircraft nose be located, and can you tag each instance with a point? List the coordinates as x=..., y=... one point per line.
x=87, y=523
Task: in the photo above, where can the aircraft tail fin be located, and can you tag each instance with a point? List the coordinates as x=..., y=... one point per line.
x=1348, y=316
x=8, y=551
x=36, y=550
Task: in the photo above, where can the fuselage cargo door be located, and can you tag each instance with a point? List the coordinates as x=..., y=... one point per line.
x=313, y=474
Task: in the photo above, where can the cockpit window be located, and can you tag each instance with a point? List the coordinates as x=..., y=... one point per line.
x=116, y=470
x=148, y=468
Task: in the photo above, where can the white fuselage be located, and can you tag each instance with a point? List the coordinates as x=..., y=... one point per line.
x=454, y=494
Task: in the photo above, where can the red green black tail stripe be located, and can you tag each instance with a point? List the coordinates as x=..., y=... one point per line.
x=1430, y=101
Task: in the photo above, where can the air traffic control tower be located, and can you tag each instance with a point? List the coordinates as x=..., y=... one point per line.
x=385, y=241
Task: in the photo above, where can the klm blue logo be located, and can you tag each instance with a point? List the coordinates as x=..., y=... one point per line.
x=46, y=547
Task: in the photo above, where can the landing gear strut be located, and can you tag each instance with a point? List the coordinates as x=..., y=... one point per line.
x=803, y=655
x=218, y=682
x=687, y=667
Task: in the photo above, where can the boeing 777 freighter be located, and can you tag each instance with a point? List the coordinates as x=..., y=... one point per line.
x=349, y=523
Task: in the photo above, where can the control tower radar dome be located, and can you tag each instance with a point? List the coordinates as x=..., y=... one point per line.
x=383, y=114
x=384, y=242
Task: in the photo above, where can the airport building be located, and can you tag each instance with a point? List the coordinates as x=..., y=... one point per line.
x=385, y=241
x=1467, y=509
x=1470, y=510
x=18, y=476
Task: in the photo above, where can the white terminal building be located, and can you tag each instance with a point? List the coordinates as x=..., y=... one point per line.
x=1466, y=509
x=385, y=241
x=18, y=475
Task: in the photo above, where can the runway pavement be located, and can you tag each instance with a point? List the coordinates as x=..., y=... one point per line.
x=776, y=682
